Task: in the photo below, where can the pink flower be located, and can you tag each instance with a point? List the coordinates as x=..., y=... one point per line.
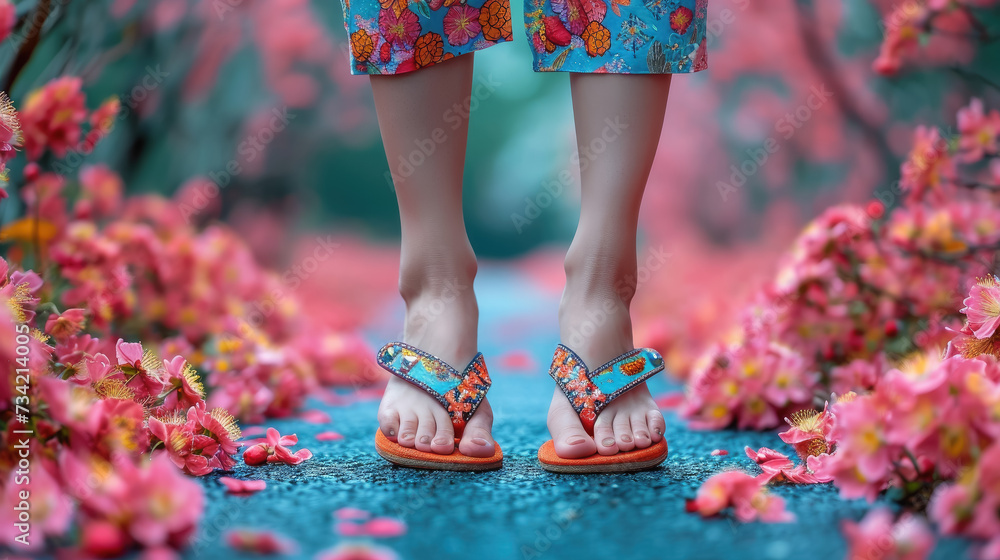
x=139, y=368
x=10, y=128
x=878, y=537
x=237, y=486
x=979, y=131
x=719, y=452
x=102, y=539
x=184, y=385
x=314, y=416
x=275, y=450
x=951, y=508
x=379, y=527
x=903, y=27
x=810, y=432
x=189, y=451
x=149, y=501
x=329, y=436
x=67, y=324
x=220, y=426
x=259, y=542
x=8, y=17
x=400, y=29
x=778, y=467
x=101, y=192
x=461, y=24
x=982, y=307
x=118, y=426
x=860, y=429
x=742, y=492
x=200, y=442
x=925, y=173
x=51, y=509
x=52, y=117
x=358, y=552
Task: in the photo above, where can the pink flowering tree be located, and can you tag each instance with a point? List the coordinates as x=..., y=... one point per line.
x=888, y=312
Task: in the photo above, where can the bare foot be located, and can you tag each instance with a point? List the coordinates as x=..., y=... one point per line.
x=594, y=322
x=441, y=318
x=632, y=421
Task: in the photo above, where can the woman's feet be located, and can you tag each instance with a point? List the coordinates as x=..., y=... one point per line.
x=412, y=418
x=632, y=421
x=441, y=319
x=594, y=321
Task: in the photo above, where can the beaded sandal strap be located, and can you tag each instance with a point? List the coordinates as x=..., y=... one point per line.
x=590, y=391
x=459, y=393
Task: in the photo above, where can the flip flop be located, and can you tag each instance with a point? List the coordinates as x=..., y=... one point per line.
x=590, y=392
x=459, y=393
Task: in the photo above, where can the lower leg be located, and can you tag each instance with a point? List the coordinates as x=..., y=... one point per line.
x=437, y=264
x=618, y=124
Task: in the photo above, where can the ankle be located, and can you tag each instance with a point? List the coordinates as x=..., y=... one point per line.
x=439, y=275
x=442, y=315
x=597, y=327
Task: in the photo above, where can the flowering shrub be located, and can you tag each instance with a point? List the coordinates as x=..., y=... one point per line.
x=860, y=290
x=929, y=427
x=113, y=426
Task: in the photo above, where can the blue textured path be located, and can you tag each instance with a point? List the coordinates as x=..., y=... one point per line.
x=521, y=511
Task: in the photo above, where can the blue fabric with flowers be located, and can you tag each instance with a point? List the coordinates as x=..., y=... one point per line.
x=617, y=36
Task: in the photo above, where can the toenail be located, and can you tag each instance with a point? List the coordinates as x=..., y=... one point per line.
x=478, y=441
x=643, y=435
x=658, y=432
x=608, y=442
x=392, y=432
x=405, y=436
x=626, y=438
x=425, y=439
x=576, y=440
x=441, y=441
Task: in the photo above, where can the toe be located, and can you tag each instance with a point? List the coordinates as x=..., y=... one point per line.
x=657, y=426
x=444, y=437
x=477, y=437
x=426, y=428
x=570, y=439
x=408, y=423
x=640, y=431
x=604, y=435
x=388, y=422
x=623, y=432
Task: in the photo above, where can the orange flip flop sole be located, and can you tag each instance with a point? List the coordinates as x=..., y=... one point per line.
x=415, y=459
x=625, y=461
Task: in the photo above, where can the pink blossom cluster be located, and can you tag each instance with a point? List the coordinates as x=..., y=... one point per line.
x=939, y=29
x=746, y=496
x=933, y=418
x=860, y=289
x=114, y=427
x=54, y=116
x=135, y=266
x=90, y=440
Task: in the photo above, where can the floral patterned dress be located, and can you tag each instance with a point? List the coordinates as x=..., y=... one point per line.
x=590, y=36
